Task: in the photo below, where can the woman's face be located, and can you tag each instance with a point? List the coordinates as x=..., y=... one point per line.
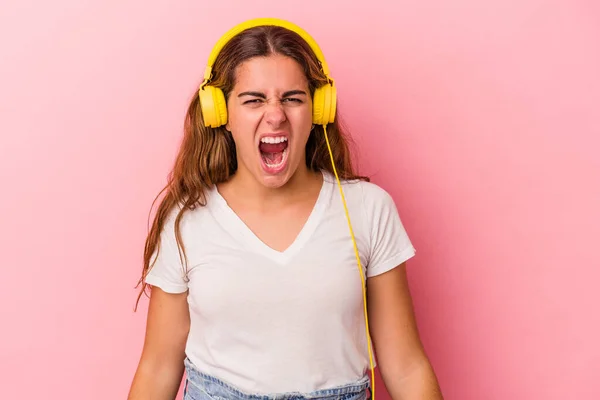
x=270, y=118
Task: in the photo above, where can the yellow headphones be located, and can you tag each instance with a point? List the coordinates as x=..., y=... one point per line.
x=212, y=100
x=214, y=113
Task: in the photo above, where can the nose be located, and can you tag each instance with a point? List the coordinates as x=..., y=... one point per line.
x=275, y=114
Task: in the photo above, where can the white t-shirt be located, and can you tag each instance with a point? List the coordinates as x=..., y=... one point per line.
x=267, y=321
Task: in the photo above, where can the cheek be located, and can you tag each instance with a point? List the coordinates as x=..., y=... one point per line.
x=235, y=118
x=301, y=119
x=242, y=126
x=244, y=140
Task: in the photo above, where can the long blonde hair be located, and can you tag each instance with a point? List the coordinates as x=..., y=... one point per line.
x=207, y=156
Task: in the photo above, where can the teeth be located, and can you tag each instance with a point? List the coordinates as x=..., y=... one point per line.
x=273, y=140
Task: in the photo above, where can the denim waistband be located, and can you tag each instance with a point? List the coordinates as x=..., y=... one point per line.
x=201, y=386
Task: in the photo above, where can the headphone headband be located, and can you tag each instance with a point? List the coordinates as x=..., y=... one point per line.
x=263, y=22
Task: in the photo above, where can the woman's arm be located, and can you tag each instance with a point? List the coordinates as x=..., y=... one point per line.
x=160, y=370
x=401, y=359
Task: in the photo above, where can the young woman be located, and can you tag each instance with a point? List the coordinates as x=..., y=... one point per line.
x=259, y=289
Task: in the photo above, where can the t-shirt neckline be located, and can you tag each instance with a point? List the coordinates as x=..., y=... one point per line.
x=237, y=228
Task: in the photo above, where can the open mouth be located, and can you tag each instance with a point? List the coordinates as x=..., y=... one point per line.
x=273, y=152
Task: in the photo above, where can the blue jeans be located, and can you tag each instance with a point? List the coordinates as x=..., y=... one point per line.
x=200, y=386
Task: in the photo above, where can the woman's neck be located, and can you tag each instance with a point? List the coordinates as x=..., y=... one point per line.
x=244, y=186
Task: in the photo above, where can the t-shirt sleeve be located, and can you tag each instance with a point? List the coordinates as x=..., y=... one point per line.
x=390, y=244
x=167, y=272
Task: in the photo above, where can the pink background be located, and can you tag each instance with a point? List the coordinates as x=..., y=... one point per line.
x=489, y=110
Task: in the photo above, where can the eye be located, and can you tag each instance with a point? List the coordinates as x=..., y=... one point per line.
x=252, y=101
x=292, y=99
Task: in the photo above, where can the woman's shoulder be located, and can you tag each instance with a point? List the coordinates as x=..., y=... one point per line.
x=370, y=194
x=190, y=215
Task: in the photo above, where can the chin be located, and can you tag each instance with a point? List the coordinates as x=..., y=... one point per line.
x=274, y=181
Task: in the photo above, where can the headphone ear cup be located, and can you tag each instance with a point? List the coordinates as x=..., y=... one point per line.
x=318, y=105
x=213, y=106
x=332, y=92
x=324, y=105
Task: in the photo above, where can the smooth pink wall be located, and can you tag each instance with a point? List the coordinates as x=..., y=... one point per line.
x=481, y=118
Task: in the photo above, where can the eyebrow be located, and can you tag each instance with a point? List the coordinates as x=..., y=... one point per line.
x=262, y=95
